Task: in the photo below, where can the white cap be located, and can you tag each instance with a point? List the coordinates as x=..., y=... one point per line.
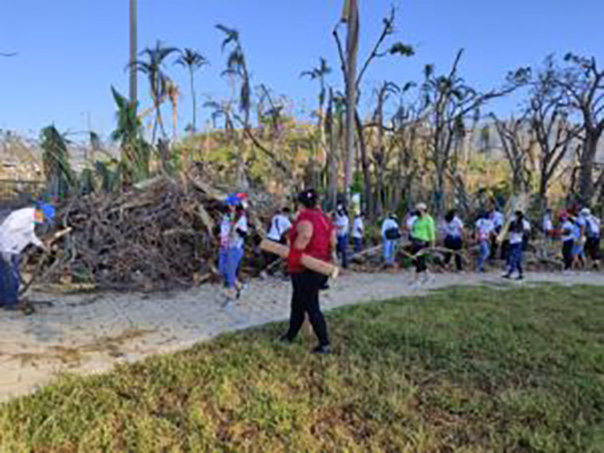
x=421, y=207
x=585, y=211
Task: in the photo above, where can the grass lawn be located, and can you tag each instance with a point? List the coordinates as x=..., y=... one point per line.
x=467, y=369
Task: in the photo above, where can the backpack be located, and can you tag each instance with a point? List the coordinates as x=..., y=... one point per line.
x=392, y=234
x=592, y=227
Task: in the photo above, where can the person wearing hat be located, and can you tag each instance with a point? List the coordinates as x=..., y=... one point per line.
x=424, y=235
x=312, y=234
x=592, y=237
x=17, y=232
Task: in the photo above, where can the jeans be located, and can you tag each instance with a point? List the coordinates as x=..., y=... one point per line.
x=222, y=260
x=305, y=299
x=342, y=249
x=358, y=244
x=483, y=254
x=230, y=266
x=455, y=244
x=389, y=251
x=10, y=280
x=515, y=258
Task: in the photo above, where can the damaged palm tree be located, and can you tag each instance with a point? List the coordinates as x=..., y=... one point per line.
x=136, y=152
x=57, y=170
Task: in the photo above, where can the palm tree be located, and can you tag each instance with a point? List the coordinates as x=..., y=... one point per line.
x=237, y=67
x=192, y=60
x=152, y=67
x=55, y=158
x=319, y=73
x=129, y=133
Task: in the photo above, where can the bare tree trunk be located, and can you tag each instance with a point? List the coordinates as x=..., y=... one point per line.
x=194, y=128
x=133, y=54
x=351, y=93
x=586, y=170
x=365, y=165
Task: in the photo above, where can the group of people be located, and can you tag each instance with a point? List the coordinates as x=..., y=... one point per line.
x=579, y=232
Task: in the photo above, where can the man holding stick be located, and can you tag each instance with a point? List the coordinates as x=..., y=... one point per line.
x=312, y=235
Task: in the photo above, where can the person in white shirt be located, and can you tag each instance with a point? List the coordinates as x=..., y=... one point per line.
x=280, y=226
x=411, y=219
x=234, y=229
x=17, y=232
x=278, y=232
x=485, y=230
x=519, y=228
x=454, y=238
x=390, y=235
x=342, y=224
x=547, y=226
x=570, y=232
x=592, y=237
x=358, y=232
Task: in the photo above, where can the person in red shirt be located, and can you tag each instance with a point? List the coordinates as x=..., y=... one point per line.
x=312, y=234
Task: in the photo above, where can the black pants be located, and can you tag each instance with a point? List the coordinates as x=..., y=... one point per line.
x=592, y=248
x=419, y=261
x=305, y=299
x=456, y=244
x=567, y=253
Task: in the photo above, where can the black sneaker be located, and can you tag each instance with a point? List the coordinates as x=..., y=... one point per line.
x=284, y=339
x=520, y=277
x=508, y=276
x=322, y=350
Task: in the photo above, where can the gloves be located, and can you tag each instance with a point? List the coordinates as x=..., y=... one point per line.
x=295, y=257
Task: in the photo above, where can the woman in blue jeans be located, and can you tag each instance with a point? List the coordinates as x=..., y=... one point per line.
x=518, y=228
x=485, y=229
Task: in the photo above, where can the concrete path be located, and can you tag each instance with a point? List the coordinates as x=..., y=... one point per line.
x=91, y=333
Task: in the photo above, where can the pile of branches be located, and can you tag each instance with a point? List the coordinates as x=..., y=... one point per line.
x=159, y=235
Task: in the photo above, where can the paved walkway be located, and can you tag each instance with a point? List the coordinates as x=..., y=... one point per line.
x=91, y=333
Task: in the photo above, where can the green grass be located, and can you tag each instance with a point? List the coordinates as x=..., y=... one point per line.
x=466, y=369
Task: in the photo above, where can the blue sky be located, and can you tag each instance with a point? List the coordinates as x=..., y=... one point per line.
x=71, y=51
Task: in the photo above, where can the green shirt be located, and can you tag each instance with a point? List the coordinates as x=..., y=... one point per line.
x=424, y=229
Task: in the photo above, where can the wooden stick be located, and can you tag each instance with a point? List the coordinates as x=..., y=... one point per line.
x=309, y=262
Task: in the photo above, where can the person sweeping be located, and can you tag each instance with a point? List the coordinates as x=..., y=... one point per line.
x=312, y=234
x=17, y=232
